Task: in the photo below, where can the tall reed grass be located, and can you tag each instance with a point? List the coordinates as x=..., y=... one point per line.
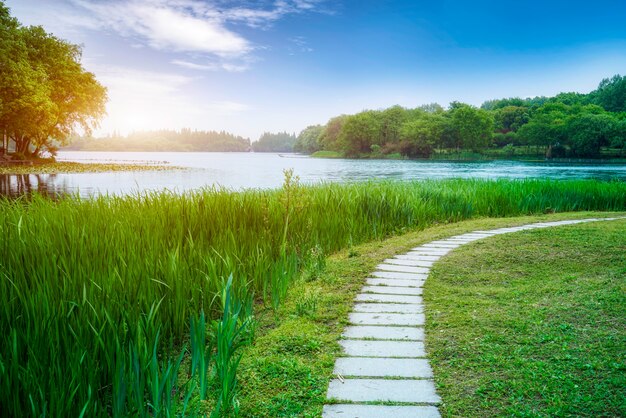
x=95, y=293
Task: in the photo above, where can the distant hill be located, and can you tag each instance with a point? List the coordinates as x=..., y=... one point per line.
x=185, y=140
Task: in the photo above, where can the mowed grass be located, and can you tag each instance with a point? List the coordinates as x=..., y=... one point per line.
x=532, y=324
x=285, y=373
x=96, y=296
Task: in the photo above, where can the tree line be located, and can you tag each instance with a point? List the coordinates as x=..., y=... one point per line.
x=184, y=140
x=45, y=93
x=567, y=125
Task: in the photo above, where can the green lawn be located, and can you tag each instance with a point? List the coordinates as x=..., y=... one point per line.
x=532, y=324
x=286, y=372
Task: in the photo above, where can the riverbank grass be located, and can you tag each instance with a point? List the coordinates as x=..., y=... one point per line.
x=531, y=324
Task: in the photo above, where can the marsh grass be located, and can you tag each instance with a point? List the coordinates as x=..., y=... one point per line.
x=63, y=167
x=82, y=281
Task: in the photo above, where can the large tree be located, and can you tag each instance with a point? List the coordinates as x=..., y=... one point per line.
x=45, y=93
x=473, y=127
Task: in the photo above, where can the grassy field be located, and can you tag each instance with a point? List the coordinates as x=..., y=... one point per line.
x=535, y=330
x=99, y=297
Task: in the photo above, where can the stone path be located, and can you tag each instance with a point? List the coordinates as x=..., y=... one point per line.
x=385, y=371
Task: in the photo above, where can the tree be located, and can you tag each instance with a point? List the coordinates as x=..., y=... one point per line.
x=308, y=140
x=510, y=118
x=611, y=94
x=270, y=142
x=587, y=133
x=329, y=138
x=45, y=93
x=473, y=127
x=419, y=136
x=360, y=132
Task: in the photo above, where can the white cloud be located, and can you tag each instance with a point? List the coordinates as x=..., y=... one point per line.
x=227, y=66
x=173, y=26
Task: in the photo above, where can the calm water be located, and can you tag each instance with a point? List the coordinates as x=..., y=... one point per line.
x=249, y=170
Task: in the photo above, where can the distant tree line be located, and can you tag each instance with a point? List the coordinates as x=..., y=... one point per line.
x=185, y=140
x=275, y=142
x=567, y=125
x=45, y=93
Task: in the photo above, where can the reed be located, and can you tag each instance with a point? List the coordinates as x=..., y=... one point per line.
x=94, y=292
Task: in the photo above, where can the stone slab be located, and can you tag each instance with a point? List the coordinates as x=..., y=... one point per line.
x=362, y=318
x=393, y=290
x=379, y=411
x=383, y=367
x=428, y=251
x=412, y=256
x=377, y=390
x=398, y=275
x=383, y=333
x=450, y=246
x=403, y=269
x=380, y=298
x=412, y=263
x=371, y=348
x=387, y=307
x=395, y=282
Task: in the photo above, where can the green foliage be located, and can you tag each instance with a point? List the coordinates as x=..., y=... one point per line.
x=473, y=127
x=611, y=94
x=45, y=93
x=308, y=140
x=279, y=142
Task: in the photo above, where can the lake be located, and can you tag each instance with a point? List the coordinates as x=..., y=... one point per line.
x=259, y=170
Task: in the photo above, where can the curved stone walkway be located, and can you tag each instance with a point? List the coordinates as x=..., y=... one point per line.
x=385, y=371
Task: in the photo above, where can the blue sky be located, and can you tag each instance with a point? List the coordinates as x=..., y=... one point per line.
x=254, y=66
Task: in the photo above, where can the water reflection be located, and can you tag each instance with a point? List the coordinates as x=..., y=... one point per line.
x=17, y=185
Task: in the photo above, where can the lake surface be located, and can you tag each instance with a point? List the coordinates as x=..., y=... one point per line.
x=259, y=170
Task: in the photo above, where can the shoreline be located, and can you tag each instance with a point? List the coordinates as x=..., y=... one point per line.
x=69, y=167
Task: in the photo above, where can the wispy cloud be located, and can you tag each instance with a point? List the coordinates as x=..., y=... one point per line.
x=212, y=66
x=190, y=26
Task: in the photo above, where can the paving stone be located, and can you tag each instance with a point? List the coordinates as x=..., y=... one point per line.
x=412, y=256
x=393, y=290
x=403, y=269
x=395, y=282
x=379, y=411
x=371, y=348
x=419, y=251
x=415, y=263
x=398, y=275
x=450, y=246
x=384, y=332
x=387, y=307
x=361, y=318
x=377, y=297
x=383, y=367
x=376, y=390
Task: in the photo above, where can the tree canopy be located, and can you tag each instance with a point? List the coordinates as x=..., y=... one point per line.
x=45, y=93
x=569, y=124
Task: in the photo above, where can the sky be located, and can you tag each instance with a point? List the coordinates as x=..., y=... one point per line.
x=250, y=67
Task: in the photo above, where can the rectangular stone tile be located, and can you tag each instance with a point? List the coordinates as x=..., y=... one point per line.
x=392, y=290
x=361, y=318
x=395, y=282
x=412, y=256
x=379, y=411
x=387, y=307
x=383, y=367
x=383, y=333
x=370, y=348
x=376, y=297
x=442, y=245
x=398, y=275
x=419, y=251
x=377, y=390
x=403, y=269
x=412, y=263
